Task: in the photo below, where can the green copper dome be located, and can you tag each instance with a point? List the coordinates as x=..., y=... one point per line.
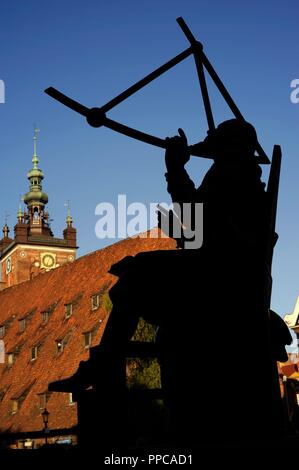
x=35, y=195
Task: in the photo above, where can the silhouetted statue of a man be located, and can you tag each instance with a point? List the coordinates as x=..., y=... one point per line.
x=232, y=192
x=209, y=304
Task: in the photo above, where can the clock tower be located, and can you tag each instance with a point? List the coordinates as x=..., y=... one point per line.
x=34, y=249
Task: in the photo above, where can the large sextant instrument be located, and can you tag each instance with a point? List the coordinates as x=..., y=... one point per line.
x=97, y=117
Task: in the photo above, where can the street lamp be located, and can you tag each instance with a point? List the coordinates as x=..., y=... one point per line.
x=45, y=415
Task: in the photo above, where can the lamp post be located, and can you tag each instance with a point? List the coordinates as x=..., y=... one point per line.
x=45, y=415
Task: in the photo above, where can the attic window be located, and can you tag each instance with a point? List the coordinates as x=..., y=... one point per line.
x=87, y=339
x=2, y=331
x=68, y=310
x=34, y=352
x=22, y=324
x=95, y=301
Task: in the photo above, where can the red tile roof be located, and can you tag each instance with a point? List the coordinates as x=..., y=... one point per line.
x=73, y=283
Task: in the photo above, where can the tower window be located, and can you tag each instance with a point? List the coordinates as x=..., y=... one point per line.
x=68, y=310
x=34, y=352
x=87, y=339
x=95, y=301
x=71, y=401
x=22, y=324
x=2, y=331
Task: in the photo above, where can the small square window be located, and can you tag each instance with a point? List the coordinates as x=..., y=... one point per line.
x=68, y=310
x=95, y=302
x=22, y=324
x=2, y=331
x=34, y=352
x=87, y=340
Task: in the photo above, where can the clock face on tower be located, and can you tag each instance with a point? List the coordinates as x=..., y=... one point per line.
x=48, y=260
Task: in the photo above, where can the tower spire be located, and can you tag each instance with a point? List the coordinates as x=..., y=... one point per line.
x=69, y=219
x=36, y=199
x=6, y=215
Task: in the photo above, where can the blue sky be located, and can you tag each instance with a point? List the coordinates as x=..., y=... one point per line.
x=92, y=50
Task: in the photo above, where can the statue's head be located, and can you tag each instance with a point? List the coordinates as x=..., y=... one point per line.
x=232, y=139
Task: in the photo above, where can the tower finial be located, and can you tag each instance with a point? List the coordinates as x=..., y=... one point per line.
x=69, y=219
x=5, y=228
x=6, y=215
x=36, y=131
x=20, y=213
x=35, y=158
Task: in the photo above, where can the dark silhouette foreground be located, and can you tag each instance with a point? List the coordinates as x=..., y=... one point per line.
x=217, y=340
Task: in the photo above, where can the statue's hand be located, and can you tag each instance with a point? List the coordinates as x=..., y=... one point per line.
x=177, y=153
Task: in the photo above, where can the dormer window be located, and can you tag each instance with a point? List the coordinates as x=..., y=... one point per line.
x=22, y=325
x=45, y=316
x=18, y=399
x=87, y=339
x=68, y=310
x=14, y=406
x=95, y=301
x=43, y=400
x=10, y=358
x=34, y=352
x=59, y=346
x=62, y=342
